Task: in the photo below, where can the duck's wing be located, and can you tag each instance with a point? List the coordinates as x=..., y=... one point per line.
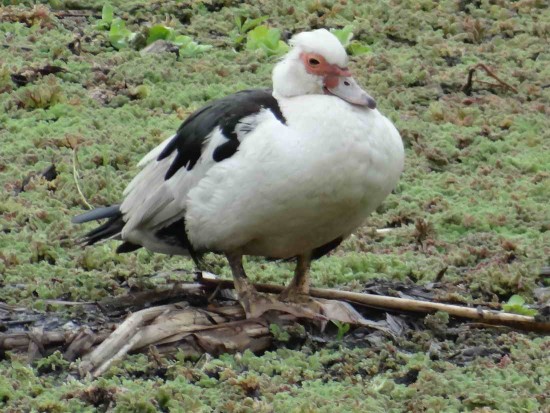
x=154, y=202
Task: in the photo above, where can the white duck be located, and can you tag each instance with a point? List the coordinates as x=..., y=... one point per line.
x=281, y=174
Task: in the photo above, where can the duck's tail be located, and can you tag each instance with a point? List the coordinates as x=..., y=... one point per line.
x=108, y=230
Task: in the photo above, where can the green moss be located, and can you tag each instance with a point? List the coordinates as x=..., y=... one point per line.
x=349, y=379
x=476, y=175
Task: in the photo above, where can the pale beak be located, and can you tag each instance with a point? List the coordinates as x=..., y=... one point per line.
x=347, y=88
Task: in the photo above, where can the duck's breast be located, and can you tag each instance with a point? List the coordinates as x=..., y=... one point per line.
x=294, y=187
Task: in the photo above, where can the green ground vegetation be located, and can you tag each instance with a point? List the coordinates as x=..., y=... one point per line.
x=80, y=101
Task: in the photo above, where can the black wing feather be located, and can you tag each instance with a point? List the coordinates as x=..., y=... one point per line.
x=224, y=113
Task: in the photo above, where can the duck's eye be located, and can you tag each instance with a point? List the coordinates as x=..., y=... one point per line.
x=313, y=62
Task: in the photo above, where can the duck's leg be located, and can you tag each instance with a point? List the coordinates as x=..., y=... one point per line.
x=255, y=303
x=245, y=290
x=298, y=289
x=297, y=294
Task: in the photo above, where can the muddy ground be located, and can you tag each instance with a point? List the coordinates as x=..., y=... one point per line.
x=82, y=103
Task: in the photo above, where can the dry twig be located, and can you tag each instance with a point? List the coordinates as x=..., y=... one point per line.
x=75, y=177
x=467, y=88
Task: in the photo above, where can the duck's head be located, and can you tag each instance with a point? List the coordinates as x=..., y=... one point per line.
x=318, y=64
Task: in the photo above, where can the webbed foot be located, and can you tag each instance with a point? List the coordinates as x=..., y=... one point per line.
x=255, y=304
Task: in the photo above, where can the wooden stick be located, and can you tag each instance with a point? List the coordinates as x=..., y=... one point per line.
x=521, y=322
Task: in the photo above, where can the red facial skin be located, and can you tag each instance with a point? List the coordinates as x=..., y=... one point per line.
x=337, y=81
x=316, y=64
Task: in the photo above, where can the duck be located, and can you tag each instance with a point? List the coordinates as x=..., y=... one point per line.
x=286, y=173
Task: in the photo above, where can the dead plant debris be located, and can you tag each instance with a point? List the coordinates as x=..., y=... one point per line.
x=197, y=325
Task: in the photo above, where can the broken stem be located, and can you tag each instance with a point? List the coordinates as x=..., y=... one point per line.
x=123, y=334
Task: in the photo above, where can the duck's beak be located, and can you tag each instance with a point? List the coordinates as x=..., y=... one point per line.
x=345, y=87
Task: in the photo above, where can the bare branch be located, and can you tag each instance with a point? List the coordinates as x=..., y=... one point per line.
x=467, y=88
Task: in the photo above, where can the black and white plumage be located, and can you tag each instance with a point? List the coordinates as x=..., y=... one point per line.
x=228, y=121
x=234, y=115
x=281, y=174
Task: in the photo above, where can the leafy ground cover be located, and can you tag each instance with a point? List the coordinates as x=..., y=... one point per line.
x=82, y=101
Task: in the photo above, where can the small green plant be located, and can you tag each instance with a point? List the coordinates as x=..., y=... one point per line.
x=266, y=39
x=107, y=15
x=42, y=95
x=119, y=35
x=345, y=35
x=188, y=47
x=357, y=49
x=278, y=333
x=516, y=304
x=159, y=32
x=54, y=362
x=244, y=25
x=343, y=328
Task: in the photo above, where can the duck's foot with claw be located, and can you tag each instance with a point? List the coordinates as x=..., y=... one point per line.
x=255, y=304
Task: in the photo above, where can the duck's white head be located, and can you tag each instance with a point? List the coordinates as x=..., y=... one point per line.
x=318, y=64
